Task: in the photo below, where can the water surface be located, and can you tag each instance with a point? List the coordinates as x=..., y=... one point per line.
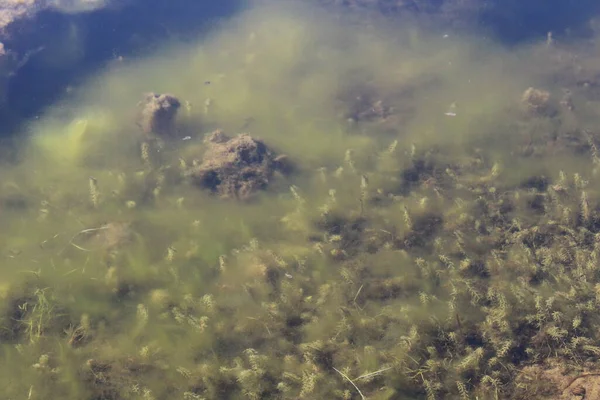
x=436, y=238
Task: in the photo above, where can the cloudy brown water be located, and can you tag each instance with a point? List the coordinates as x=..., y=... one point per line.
x=432, y=233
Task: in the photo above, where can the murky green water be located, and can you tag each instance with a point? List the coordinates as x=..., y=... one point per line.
x=439, y=232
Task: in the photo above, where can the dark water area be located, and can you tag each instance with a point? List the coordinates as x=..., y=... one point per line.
x=515, y=21
x=138, y=27
x=102, y=36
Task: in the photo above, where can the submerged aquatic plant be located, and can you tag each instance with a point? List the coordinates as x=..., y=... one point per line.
x=407, y=257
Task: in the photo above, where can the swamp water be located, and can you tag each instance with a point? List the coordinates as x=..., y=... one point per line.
x=437, y=237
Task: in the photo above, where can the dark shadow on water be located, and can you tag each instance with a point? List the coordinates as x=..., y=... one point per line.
x=137, y=29
x=106, y=34
x=510, y=21
x=515, y=21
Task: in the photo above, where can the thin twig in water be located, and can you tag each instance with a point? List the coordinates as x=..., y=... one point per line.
x=371, y=374
x=584, y=375
x=42, y=244
x=79, y=247
x=357, y=293
x=362, y=396
x=90, y=230
x=81, y=233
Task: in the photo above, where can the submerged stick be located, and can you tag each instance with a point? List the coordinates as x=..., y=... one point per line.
x=371, y=374
x=362, y=396
x=81, y=233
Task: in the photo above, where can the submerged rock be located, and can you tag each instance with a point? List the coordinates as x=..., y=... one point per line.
x=157, y=115
x=237, y=167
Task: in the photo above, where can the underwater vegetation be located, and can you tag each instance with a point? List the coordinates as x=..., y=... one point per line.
x=295, y=208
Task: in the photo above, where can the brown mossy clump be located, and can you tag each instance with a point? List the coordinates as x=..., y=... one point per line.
x=541, y=124
x=537, y=101
x=237, y=167
x=365, y=109
x=387, y=110
x=157, y=114
x=117, y=378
